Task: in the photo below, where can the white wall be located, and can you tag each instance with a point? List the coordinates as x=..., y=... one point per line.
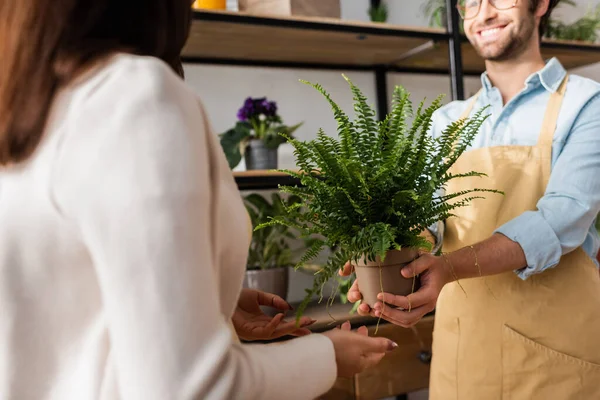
x=223, y=89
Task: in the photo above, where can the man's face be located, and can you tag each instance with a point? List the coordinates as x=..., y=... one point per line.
x=499, y=35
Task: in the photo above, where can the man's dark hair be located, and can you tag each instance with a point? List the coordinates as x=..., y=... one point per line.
x=546, y=18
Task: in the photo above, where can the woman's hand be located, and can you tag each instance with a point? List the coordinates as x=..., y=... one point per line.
x=356, y=351
x=434, y=274
x=252, y=324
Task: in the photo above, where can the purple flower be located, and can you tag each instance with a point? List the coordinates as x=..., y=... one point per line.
x=241, y=115
x=271, y=109
x=252, y=108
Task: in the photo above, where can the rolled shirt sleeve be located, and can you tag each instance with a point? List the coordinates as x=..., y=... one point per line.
x=571, y=203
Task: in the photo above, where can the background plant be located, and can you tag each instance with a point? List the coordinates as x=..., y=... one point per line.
x=376, y=188
x=583, y=29
x=257, y=119
x=270, y=247
x=378, y=11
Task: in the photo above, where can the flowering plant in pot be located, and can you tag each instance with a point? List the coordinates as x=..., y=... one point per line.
x=256, y=135
x=372, y=193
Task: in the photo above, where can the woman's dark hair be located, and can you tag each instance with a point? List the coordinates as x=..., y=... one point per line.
x=45, y=44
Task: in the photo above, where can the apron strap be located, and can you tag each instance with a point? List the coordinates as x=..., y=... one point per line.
x=551, y=116
x=467, y=112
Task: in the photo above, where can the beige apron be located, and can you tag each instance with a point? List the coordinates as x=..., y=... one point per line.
x=508, y=338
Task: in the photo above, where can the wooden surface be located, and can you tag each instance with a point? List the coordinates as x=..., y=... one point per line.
x=275, y=40
x=570, y=54
x=257, y=173
x=262, y=180
x=330, y=316
x=400, y=372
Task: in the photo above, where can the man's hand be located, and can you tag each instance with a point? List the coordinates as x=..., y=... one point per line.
x=252, y=324
x=354, y=293
x=434, y=274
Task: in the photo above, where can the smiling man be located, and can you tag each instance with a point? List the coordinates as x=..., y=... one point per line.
x=517, y=291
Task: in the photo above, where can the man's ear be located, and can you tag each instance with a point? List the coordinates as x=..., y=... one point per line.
x=542, y=8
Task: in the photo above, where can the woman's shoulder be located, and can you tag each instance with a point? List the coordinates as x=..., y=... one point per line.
x=122, y=77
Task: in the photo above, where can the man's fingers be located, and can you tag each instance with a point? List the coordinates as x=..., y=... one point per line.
x=413, y=300
x=363, y=309
x=347, y=269
x=418, y=266
x=402, y=318
x=354, y=293
x=363, y=330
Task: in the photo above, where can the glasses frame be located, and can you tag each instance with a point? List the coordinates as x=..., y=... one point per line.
x=462, y=14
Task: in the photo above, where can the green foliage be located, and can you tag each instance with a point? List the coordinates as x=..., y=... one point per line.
x=376, y=188
x=269, y=247
x=584, y=29
x=379, y=12
x=435, y=11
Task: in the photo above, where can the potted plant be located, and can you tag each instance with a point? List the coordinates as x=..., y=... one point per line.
x=270, y=254
x=372, y=193
x=378, y=11
x=256, y=135
x=585, y=29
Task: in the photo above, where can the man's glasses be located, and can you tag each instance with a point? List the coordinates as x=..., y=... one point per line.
x=469, y=9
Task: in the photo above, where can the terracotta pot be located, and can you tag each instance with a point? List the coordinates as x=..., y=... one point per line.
x=372, y=275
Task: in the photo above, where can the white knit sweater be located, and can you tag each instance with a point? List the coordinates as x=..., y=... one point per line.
x=123, y=244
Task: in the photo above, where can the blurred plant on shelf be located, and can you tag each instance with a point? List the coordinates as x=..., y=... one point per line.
x=378, y=11
x=584, y=29
x=270, y=247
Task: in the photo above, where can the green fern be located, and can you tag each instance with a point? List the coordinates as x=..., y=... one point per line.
x=376, y=188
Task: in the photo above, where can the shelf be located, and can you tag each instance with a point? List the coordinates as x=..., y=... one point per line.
x=435, y=58
x=263, y=180
x=243, y=39
x=235, y=38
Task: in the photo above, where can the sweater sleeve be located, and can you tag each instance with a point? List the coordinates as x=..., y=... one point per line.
x=133, y=177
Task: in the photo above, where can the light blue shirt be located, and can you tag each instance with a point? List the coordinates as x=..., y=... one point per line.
x=566, y=214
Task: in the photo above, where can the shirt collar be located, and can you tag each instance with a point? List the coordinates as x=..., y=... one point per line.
x=550, y=76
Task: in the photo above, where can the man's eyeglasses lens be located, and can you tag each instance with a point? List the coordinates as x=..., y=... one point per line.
x=470, y=8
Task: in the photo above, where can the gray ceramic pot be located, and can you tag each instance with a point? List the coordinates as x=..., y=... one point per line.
x=272, y=280
x=258, y=156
